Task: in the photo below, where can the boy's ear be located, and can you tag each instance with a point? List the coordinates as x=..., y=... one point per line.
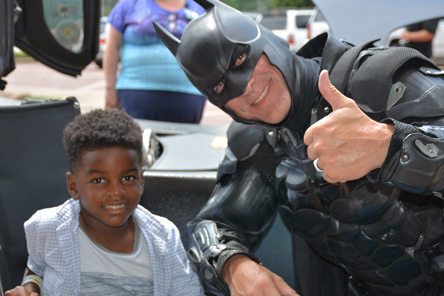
x=71, y=182
x=142, y=182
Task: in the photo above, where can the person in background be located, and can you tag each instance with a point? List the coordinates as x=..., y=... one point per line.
x=150, y=84
x=420, y=36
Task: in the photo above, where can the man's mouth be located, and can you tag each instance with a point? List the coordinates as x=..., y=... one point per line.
x=262, y=95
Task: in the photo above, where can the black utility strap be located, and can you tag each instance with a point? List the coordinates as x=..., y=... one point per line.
x=341, y=71
x=340, y=74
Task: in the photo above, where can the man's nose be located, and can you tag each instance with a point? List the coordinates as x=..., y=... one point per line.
x=249, y=88
x=250, y=84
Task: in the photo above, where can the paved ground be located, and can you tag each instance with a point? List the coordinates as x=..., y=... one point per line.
x=31, y=78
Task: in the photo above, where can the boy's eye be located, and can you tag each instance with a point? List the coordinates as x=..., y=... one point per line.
x=240, y=59
x=219, y=87
x=129, y=178
x=98, y=180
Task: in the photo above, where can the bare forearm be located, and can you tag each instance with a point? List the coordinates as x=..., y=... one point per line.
x=111, y=55
x=31, y=287
x=418, y=36
x=111, y=60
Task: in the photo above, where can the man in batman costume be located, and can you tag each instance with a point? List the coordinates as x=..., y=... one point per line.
x=382, y=225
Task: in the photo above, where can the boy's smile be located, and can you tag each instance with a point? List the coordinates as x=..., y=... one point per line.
x=108, y=185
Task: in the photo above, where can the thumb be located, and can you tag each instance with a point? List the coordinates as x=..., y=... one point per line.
x=330, y=93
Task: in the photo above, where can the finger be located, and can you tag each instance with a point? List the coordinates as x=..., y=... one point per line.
x=331, y=179
x=308, y=136
x=13, y=292
x=330, y=93
x=312, y=153
x=328, y=179
x=283, y=288
x=319, y=164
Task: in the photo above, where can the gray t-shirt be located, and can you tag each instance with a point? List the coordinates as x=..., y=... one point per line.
x=104, y=272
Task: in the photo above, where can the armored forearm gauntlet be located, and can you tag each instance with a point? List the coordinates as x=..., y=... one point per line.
x=209, y=248
x=241, y=208
x=417, y=166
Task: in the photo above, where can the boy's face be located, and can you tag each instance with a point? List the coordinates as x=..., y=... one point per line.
x=108, y=184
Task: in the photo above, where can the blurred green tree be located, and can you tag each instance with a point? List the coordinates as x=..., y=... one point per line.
x=292, y=3
x=107, y=6
x=264, y=5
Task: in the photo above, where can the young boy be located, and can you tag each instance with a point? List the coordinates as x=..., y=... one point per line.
x=101, y=241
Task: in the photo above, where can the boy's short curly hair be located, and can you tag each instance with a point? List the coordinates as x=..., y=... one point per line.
x=101, y=129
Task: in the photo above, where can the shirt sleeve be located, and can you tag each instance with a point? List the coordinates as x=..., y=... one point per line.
x=118, y=14
x=35, y=237
x=431, y=25
x=195, y=7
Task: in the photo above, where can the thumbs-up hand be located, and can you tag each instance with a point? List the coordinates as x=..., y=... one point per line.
x=347, y=143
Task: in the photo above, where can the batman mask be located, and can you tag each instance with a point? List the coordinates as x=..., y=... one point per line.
x=211, y=44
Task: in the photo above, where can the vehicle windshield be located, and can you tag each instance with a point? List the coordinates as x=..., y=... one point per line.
x=319, y=17
x=302, y=20
x=274, y=22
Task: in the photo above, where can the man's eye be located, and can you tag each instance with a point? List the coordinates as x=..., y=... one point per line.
x=98, y=180
x=218, y=88
x=240, y=59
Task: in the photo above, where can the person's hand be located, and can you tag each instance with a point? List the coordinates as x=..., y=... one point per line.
x=404, y=37
x=246, y=277
x=111, y=99
x=347, y=143
x=20, y=291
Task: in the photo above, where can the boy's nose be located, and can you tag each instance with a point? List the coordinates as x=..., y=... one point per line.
x=115, y=190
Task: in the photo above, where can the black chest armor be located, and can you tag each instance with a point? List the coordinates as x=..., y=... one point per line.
x=387, y=234
x=375, y=232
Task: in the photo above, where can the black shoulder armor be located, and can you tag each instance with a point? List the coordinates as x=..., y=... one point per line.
x=403, y=80
x=250, y=143
x=244, y=140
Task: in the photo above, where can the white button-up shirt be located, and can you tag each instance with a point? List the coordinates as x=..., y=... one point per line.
x=54, y=253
